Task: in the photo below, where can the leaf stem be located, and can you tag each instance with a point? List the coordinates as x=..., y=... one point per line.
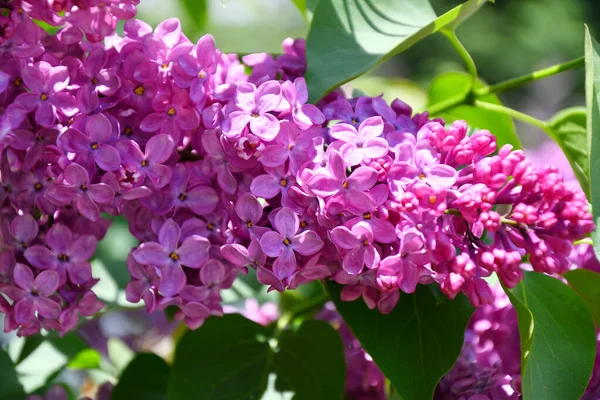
x=512, y=113
x=473, y=93
x=521, y=80
x=464, y=54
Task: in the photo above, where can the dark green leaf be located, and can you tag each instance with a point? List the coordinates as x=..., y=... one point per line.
x=568, y=129
x=414, y=345
x=311, y=362
x=85, y=359
x=31, y=344
x=10, y=387
x=592, y=90
x=198, y=11
x=70, y=344
x=227, y=358
x=146, y=377
x=348, y=37
x=306, y=7
x=558, y=339
x=453, y=84
x=587, y=284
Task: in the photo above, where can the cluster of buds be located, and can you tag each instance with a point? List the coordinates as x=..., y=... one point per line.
x=217, y=171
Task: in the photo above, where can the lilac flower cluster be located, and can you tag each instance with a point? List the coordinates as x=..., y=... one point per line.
x=218, y=171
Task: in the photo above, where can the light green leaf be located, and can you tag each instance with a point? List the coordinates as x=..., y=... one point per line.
x=568, y=129
x=85, y=359
x=146, y=377
x=310, y=362
x=10, y=387
x=587, y=285
x=348, y=38
x=592, y=91
x=306, y=8
x=453, y=84
x=414, y=345
x=558, y=339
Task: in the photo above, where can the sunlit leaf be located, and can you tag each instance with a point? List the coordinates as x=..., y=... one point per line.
x=348, y=38
x=558, y=338
x=414, y=345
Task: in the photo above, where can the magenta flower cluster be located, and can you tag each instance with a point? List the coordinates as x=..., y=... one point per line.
x=218, y=171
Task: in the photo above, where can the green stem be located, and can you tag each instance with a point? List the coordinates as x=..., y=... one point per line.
x=499, y=87
x=512, y=113
x=521, y=80
x=464, y=54
x=446, y=104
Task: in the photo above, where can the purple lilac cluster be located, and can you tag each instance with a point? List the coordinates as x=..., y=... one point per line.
x=218, y=171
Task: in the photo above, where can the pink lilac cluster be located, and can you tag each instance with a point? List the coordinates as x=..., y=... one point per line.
x=218, y=171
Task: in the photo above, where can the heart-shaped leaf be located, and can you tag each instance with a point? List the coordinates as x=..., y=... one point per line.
x=348, y=38
x=10, y=387
x=414, y=345
x=558, y=338
x=146, y=377
x=453, y=84
x=592, y=91
x=311, y=362
x=587, y=285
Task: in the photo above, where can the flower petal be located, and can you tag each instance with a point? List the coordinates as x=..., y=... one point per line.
x=172, y=279
x=307, y=243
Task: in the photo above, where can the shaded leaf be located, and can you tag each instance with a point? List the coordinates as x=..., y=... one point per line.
x=452, y=84
x=587, y=285
x=414, y=345
x=311, y=362
x=348, y=38
x=10, y=387
x=558, y=339
x=146, y=377
x=227, y=358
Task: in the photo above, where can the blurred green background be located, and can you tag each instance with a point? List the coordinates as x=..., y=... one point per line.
x=506, y=39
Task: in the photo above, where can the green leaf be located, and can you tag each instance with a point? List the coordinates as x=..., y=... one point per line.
x=592, y=91
x=146, y=377
x=558, y=339
x=85, y=359
x=10, y=387
x=348, y=38
x=306, y=8
x=414, y=345
x=227, y=358
x=568, y=129
x=231, y=358
x=311, y=362
x=453, y=84
x=198, y=11
x=587, y=285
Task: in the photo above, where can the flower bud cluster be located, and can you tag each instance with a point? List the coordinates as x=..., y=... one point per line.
x=218, y=171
